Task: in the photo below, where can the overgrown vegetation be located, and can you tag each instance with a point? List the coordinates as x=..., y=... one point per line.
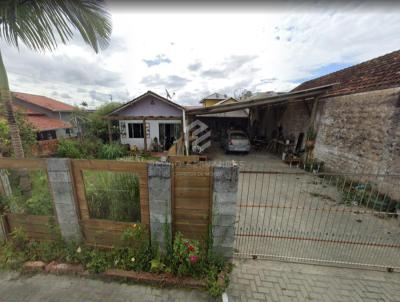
x=113, y=195
x=355, y=193
x=27, y=133
x=183, y=258
x=40, y=201
x=90, y=149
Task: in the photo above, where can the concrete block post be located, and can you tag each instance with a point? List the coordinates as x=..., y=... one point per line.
x=159, y=184
x=225, y=187
x=61, y=184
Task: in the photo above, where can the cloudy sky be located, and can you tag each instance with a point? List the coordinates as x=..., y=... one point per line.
x=196, y=51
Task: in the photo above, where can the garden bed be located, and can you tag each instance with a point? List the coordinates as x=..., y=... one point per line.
x=183, y=263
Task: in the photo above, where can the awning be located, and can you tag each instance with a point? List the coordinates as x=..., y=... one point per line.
x=270, y=100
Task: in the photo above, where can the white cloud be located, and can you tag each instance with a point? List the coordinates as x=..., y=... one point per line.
x=203, y=52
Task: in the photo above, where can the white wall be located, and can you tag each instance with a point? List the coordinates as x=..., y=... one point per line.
x=152, y=127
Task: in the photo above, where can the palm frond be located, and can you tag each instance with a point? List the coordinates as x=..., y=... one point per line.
x=42, y=24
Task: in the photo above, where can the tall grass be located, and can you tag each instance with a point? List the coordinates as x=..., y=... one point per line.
x=113, y=195
x=40, y=201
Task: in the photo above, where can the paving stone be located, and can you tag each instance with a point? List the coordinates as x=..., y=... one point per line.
x=279, y=281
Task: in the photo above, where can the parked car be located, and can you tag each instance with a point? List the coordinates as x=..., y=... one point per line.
x=236, y=141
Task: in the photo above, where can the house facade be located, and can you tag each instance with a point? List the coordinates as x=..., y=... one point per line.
x=51, y=118
x=149, y=122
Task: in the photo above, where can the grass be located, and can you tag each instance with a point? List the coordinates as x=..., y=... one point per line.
x=112, y=195
x=40, y=201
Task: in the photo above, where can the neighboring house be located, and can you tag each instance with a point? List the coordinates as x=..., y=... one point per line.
x=149, y=117
x=213, y=99
x=51, y=118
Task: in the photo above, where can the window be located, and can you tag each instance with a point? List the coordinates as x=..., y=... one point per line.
x=135, y=130
x=46, y=135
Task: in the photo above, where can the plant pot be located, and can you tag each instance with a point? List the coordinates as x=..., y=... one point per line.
x=310, y=144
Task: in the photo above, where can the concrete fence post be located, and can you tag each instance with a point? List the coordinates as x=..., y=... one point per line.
x=61, y=184
x=225, y=187
x=159, y=184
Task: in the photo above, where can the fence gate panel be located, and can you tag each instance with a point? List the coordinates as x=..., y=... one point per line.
x=347, y=219
x=191, y=200
x=107, y=231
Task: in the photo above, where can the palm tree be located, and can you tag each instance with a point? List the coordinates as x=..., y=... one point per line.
x=41, y=25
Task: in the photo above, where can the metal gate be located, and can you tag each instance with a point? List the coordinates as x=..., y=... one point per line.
x=348, y=219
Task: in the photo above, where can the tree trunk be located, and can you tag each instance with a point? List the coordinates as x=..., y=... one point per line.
x=16, y=142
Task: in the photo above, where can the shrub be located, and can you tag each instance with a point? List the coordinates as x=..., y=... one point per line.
x=112, y=151
x=69, y=148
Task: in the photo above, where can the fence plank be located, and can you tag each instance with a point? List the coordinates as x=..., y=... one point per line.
x=36, y=227
x=23, y=163
x=192, y=194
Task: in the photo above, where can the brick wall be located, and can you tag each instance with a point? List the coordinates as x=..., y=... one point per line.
x=360, y=132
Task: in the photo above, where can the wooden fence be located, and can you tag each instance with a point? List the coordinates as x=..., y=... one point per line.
x=102, y=231
x=191, y=201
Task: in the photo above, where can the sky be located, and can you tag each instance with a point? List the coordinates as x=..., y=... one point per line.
x=195, y=51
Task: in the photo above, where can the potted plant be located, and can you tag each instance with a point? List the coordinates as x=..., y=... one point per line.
x=310, y=137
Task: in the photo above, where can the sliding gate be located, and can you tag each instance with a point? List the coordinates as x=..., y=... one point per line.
x=347, y=219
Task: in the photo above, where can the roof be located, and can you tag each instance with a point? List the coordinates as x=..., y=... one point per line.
x=226, y=100
x=294, y=96
x=379, y=73
x=24, y=110
x=44, y=102
x=42, y=123
x=159, y=97
x=215, y=96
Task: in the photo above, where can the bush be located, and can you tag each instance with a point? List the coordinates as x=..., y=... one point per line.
x=69, y=148
x=112, y=151
x=40, y=201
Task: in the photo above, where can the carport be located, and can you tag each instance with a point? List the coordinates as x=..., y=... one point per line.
x=264, y=113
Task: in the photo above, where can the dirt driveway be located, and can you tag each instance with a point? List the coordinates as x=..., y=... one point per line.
x=309, y=218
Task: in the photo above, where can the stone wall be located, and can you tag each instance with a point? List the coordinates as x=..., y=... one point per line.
x=361, y=133
x=295, y=119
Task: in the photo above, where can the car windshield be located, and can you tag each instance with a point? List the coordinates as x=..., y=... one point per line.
x=238, y=135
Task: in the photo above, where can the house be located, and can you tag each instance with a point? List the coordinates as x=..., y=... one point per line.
x=213, y=99
x=149, y=118
x=51, y=118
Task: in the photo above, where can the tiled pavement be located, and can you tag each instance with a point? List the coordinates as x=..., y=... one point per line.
x=261, y=280
x=46, y=288
x=251, y=280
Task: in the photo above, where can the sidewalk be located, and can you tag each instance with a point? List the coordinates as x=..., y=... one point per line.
x=49, y=288
x=262, y=280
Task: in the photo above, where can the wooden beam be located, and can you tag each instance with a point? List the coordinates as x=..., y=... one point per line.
x=145, y=134
x=140, y=118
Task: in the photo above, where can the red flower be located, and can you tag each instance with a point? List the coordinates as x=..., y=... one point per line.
x=191, y=248
x=193, y=259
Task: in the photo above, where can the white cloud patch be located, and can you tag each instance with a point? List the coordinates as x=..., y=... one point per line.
x=195, y=54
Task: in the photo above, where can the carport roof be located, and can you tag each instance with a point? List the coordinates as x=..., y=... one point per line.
x=262, y=101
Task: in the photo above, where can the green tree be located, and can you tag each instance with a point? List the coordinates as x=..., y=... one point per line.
x=97, y=126
x=41, y=25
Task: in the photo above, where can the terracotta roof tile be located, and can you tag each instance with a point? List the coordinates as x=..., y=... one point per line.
x=43, y=123
x=379, y=73
x=44, y=102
